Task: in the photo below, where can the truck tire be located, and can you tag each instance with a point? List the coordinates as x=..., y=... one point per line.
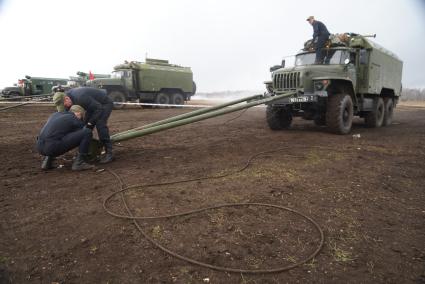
x=278, y=118
x=375, y=117
x=178, y=99
x=118, y=97
x=339, y=113
x=162, y=98
x=388, y=111
x=193, y=88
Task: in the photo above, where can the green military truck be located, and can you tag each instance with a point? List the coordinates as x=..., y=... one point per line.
x=152, y=81
x=31, y=86
x=81, y=79
x=358, y=77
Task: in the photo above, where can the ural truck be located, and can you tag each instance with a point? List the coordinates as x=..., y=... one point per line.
x=81, y=79
x=357, y=78
x=152, y=81
x=31, y=86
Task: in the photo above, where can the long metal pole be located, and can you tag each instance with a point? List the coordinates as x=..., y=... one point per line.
x=189, y=114
x=25, y=97
x=153, y=129
x=19, y=105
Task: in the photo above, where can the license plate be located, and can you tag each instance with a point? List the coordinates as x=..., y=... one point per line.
x=301, y=99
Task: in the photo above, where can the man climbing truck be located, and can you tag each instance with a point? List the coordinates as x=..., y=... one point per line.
x=358, y=77
x=153, y=81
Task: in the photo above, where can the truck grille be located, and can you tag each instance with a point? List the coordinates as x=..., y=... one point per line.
x=287, y=81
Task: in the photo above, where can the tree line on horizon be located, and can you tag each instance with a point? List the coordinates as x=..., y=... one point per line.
x=413, y=94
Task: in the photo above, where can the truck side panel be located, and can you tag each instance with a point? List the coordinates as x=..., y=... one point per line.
x=385, y=72
x=155, y=78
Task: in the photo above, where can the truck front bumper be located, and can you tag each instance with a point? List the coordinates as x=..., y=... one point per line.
x=301, y=97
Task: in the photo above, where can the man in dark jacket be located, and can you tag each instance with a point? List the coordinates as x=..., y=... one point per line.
x=320, y=36
x=98, y=107
x=62, y=132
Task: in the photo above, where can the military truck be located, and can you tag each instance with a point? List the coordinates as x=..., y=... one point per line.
x=30, y=86
x=152, y=81
x=357, y=77
x=81, y=79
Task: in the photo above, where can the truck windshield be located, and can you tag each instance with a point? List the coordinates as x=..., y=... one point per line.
x=331, y=57
x=121, y=74
x=117, y=74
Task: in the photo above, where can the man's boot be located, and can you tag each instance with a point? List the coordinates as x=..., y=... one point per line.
x=109, y=156
x=80, y=164
x=47, y=163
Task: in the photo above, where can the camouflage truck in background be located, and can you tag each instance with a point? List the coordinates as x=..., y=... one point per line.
x=78, y=81
x=152, y=81
x=358, y=77
x=31, y=86
x=81, y=79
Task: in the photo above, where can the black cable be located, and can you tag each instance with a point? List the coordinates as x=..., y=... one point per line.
x=236, y=117
x=130, y=216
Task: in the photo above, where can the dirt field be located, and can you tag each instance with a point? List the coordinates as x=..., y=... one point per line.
x=366, y=193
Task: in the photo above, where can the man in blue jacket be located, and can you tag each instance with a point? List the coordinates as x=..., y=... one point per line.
x=62, y=132
x=320, y=36
x=98, y=108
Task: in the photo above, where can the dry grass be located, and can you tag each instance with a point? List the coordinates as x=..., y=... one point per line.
x=218, y=219
x=339, y=254
x=157, y=232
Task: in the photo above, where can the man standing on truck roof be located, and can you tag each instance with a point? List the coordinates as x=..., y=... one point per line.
x=98, y=106
x=62, y=132
x=320, y=36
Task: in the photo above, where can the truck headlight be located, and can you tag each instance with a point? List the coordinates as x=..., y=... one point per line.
x=320, y=85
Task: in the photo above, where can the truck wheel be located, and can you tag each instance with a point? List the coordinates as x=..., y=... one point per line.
x=162, y=98
x=178, y=99
x=278, y=117
x=193, y=88
x=375, y=117
x=118, y=97
x=388, y=111
x=339, y=113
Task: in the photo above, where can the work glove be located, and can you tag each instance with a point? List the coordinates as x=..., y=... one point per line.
x=86, y=129
x=89, y=126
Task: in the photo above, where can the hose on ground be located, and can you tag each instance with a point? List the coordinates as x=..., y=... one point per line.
x=130, y=216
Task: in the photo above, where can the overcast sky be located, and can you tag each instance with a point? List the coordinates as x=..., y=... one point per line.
x=230, y=44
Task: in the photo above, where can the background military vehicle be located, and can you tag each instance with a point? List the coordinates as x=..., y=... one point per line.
x=79, y=81
x=82, y=78
x=358, y=77
x=30, y=86
x=152, y=81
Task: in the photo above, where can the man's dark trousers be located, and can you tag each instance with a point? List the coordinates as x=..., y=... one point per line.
x=321, y=42
x=54, y=148
x=102, y=127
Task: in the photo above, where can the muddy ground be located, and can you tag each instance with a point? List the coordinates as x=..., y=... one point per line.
x=366, y=193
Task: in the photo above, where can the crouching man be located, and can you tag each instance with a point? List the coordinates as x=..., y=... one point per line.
x=98, y=106
x=62, y=132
